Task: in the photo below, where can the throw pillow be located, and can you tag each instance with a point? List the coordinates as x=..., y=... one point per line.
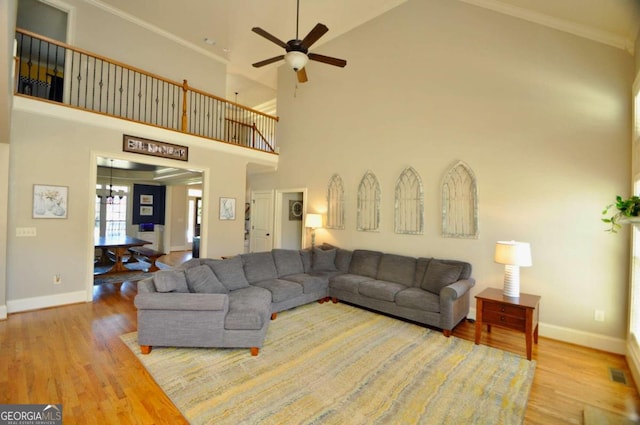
x=230, y=272
x=439, y=275
x=324, y=260
x=201, y=279
x=169, y=280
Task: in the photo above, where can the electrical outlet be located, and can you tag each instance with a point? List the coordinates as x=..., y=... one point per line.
x=598, y=316
x=57, y=279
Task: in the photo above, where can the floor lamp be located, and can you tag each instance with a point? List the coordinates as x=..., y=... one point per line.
x=313, y=221
x=513, y=255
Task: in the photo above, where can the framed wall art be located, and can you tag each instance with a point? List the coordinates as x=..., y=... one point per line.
x=227, y=208
x=50, y=201
x=295, y=210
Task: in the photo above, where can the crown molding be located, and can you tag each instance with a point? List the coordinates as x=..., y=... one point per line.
x=584, y=31
x=146, y=25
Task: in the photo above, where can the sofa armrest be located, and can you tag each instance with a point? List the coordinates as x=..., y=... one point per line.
x=456, y=290
x=182, y=301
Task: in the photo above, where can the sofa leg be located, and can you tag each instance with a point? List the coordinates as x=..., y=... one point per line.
x=254, y=351
x=273, y=316
x=334, y=300
x=145, y=349
x=446, y=332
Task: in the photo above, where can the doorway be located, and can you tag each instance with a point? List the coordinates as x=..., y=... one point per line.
x=290, y=207
x=115, y=175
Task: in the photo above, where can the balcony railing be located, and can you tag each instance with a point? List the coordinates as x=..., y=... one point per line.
x=57, y=72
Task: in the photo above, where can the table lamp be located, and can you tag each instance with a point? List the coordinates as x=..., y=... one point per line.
x=313, y=222
x=513, y=255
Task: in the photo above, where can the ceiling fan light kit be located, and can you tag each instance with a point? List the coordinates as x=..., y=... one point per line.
x=296, y=60
x=297, y=51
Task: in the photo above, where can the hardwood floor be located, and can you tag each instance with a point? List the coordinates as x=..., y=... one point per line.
x=73, y=355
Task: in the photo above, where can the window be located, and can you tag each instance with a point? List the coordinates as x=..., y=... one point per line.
x=111, y=212
x=195, y=213
x=634, y=302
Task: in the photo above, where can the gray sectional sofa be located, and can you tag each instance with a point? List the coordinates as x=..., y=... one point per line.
x=229, y=303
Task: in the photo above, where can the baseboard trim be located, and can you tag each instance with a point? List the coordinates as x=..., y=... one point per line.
x=35, y=303
x=578, y=337
x=3, y=312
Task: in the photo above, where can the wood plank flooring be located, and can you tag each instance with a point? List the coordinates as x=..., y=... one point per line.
x=73, y=355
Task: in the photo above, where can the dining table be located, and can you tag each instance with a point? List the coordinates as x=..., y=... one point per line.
x=119, y=246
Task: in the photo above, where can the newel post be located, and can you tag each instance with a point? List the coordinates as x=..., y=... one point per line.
x=185, y=90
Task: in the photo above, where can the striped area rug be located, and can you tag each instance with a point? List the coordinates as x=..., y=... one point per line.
x=338, y=364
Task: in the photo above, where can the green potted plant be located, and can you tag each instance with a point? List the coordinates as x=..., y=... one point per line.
x=626, y=208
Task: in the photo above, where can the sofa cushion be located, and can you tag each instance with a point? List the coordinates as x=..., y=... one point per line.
x=305, y=256
x=170, y=281
x=419, y=299
x=280, y=289
x=201, y=279
x=324, y=260
x=249, y=309
x=440, y=274
x=397, y=268
x=192, y=262
x=288, y=262
x=259, y=266
x=229, y=272
x=347, y=282
x=365, y=263
x=343, y=259
x=421, y=266
x=309, y=283
x=380, y=289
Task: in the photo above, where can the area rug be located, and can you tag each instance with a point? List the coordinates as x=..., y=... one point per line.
x=338, y=364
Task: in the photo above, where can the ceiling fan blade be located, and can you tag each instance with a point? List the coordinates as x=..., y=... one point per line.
x=328, y=60
x=269, y=37
x=268, y=61
x=302, y=76
x=318, y=31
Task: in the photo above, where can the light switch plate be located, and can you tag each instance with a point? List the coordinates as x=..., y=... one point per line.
x=25, y=232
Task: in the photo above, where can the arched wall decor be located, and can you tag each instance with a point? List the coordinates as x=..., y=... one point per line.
x=460, y=203
x=409, y=204
x=335, y=203
x=369, y=203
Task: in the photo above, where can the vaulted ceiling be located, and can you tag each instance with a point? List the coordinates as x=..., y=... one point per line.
x=228, y=23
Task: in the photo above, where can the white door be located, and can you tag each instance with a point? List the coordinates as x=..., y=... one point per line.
x=261, y=232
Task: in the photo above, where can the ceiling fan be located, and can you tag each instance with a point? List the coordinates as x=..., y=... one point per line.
x=297, y=51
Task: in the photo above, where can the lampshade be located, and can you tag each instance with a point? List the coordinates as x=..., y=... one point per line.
x=296, y=60
x=313, y=221
x=513, y=253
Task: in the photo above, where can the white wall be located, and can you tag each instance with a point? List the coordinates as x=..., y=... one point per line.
x=62, y=150
x=107, y=34
x=542, y=117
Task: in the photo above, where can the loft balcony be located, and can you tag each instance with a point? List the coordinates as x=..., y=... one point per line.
x=51, y=71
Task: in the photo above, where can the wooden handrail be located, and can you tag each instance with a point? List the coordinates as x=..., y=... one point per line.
x=190, y=121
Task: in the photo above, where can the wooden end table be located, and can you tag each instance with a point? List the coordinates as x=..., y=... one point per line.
x=520, y=314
